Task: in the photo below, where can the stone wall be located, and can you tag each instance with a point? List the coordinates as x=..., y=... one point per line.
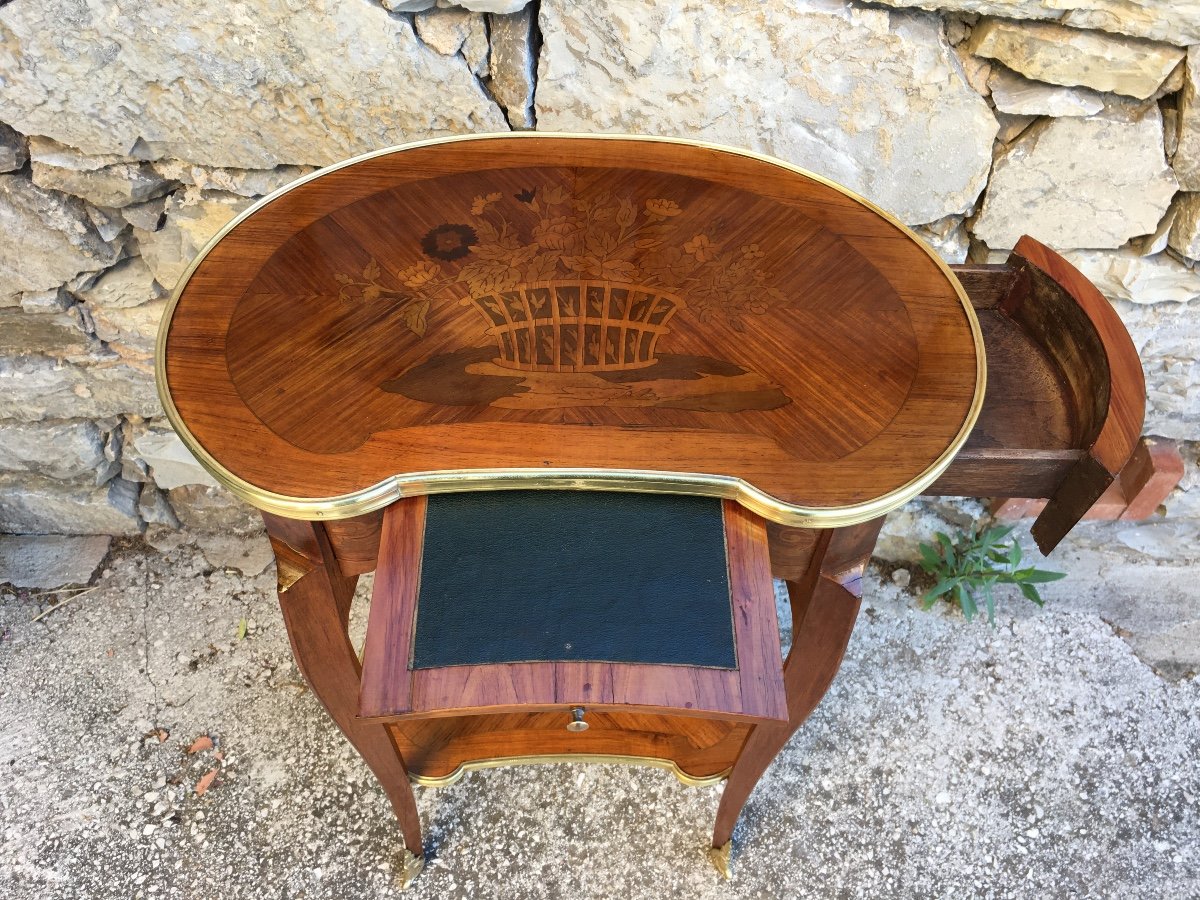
x=129, y=137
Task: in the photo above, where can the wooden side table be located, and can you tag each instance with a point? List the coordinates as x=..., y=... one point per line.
x=760, y=359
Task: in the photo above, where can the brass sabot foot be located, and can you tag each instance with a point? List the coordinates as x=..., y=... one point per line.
x=721, y=858
x=410, y=868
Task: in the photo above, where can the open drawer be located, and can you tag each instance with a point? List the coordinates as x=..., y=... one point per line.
x=1066, y=396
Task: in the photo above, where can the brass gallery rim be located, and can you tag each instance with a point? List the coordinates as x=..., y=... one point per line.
x=390, y=489
x=650, y=762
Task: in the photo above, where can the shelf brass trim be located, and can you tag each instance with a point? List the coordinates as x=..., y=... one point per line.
x=436, y=781
x=386, y=492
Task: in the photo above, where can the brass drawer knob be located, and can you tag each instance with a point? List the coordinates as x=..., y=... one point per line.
x=577, y=724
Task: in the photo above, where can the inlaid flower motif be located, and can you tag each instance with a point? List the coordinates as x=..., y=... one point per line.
x=373, y=286
x=449, y=242
x=483, y=202
x=663, y=208
x=553, y=234
x=546, y=233
x=700, y=247
x=419, y=274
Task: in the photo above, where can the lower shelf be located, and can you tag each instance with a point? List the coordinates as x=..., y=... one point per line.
x=439, y=751
x=503, y=761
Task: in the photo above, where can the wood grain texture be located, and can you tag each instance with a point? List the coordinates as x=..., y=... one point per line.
x=1154, y=470
x=1101, y=366
x=986, y=285
x=390, y=687
x=652, y=307
x=1027, y=438
x=824, y=608
x=1066, y=394
x=791, y=550
x=355, y=542
x=314, y=612
x=387, y=654
x=435, y=748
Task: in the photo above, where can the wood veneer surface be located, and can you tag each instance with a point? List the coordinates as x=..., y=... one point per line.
x=391, y=686
x=435, y=748
x=571, y=303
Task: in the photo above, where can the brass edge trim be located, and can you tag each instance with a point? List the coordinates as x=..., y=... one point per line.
x=436, y=781
x=389, y=490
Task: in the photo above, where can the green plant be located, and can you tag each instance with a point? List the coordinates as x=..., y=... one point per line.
x=972, y=564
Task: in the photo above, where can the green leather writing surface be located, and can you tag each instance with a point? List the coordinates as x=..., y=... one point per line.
x=523, y=576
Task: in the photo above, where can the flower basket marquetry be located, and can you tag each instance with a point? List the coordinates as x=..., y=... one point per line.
x=577, y=325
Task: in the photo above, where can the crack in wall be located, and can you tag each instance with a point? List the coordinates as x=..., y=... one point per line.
x=535, y=51
x=484, y=81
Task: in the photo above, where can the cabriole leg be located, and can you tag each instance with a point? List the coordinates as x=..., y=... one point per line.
x=825, y=605
x=315, y=599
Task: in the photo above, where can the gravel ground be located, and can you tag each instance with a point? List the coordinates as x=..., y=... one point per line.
x=1042, y=758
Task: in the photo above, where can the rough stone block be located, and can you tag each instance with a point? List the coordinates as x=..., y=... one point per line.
x=1126, y=275
x=1186, y=159
x=444, y=30
x=1173, y=21
x=49, y=238
x=171, y=464
x=1020, y=96
x=54, y=300
x=243, y=182
x=60, y=450
x=1068, y=56
x=1184, y=501
x=512, y=66
x=214, y=510
x=49, y=334
x=134, y=328
x=501, y=7
x=1012, y=127
x=1167, y=338
x=1185, y=225
x=1079, y=183
x=917, y=521
x=248, y=554
x=858, y=95
x=193, y=218
x=948, y=237
x=13, y=151
x=50, y=560
x=31, y=505
x=127, y=284
x=307, y=89
x=104, y=180
x=146, y=216
x=33, y=388
x=155, y=508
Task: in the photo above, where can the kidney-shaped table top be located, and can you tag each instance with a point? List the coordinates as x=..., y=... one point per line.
x=569, y=311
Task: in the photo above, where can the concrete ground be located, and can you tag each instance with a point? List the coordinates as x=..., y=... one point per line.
x=1056, y=755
